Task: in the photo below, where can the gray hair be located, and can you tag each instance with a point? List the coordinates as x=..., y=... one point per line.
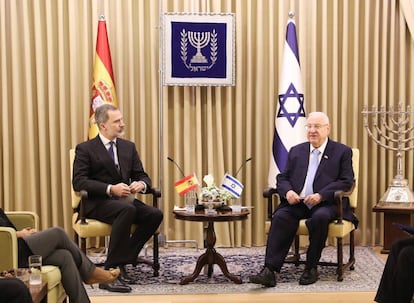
x=320, y=115
x=101, y=113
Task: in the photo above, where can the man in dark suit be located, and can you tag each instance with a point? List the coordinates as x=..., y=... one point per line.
x=110, y=170
x=314, y=171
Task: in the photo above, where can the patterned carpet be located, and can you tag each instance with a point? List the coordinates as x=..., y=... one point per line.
x=179, y=262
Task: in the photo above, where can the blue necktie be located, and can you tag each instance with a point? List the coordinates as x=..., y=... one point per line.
x=313, y=166
x=111, y=150
x=112, y=153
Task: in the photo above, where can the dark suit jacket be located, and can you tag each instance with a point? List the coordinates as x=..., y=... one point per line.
x=93, y=169
x=334, y=173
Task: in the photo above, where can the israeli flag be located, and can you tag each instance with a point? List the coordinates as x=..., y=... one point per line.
x=290, y=118
x=232, y=185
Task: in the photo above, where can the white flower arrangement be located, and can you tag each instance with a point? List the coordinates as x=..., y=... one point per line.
x=213, y=193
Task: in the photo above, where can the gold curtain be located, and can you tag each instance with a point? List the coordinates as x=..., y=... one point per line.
x=352, y=53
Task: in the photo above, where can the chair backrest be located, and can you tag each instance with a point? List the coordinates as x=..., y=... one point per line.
x=23, y=219
x=75, y=195
x=353, y=198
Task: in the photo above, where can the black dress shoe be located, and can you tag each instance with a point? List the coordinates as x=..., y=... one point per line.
x=309, y=276
x=115, y=286
x=266, y=277
x=125, y=277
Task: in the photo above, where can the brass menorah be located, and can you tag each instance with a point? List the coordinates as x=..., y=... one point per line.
x=392, y=129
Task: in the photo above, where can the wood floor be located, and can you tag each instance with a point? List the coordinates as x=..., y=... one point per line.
x=354, y=297
x=331, y=297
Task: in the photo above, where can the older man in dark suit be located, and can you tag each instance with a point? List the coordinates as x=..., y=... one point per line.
x=314, y=171
x=110, y=170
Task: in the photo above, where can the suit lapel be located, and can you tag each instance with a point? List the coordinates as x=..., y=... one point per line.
x=328, y=153
x=121, y=156
x=101, y=151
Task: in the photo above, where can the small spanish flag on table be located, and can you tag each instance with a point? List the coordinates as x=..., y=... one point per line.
x=186, y=184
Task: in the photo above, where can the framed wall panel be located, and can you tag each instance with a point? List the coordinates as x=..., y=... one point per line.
x=199, y=49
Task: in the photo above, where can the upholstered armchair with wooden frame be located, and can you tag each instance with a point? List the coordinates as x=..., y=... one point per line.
x=9, y=253
x=88, y=228
x=338, y=229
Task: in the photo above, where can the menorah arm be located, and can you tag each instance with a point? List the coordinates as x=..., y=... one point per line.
x=376, y=140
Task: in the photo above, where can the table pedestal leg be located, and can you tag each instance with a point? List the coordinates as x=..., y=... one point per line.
x=209, y=258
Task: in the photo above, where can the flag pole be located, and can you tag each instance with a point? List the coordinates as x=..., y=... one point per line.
x=161, y=237
x=290, y=118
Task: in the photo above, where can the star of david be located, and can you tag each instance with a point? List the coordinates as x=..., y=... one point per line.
x=291, y=95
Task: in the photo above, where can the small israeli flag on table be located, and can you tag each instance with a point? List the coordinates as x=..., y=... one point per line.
x=232, y=185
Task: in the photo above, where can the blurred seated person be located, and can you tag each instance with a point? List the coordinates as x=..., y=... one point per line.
x=314, y=171
x=56, y=248
x=13, y=290
x=397, y=281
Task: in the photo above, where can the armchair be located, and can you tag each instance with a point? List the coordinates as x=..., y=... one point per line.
x=86, y=228
x=9, y=253
x=338, y=229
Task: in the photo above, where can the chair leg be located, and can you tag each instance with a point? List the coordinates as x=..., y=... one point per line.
x=352, y=250
x=155, y=252
x=155, y=263
x=296, y=255
x=76, y=239
x=340, y=267
x=83, y=245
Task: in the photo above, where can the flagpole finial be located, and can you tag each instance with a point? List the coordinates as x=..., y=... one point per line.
x=291, y=15
x=102, y=18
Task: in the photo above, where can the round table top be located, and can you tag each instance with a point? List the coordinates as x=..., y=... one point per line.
x=220, y=216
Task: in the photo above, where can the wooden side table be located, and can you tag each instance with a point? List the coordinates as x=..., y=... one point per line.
x=393, y=215
x=211, y=256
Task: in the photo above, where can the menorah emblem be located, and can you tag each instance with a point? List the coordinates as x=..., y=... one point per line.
x=392, y=130
x=199, y=40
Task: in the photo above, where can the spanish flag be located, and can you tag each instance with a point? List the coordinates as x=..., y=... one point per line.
x=103, y=86
x=186, y=184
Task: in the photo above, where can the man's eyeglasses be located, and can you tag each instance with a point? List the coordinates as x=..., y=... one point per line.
x=315, y=126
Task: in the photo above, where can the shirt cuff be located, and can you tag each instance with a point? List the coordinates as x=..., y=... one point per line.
x=108, y=190
x=145, y=186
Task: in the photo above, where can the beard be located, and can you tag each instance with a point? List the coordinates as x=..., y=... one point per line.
x=117, y=134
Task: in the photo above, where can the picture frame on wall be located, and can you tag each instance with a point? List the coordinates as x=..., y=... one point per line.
x=199, y=49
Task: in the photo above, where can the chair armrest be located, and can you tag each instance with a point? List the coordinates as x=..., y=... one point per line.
x=154, y=191
x=83, y=194
x=338, y=197
x=22, y=219
x=156, y=194
x=9, y=248
x=268, y=193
